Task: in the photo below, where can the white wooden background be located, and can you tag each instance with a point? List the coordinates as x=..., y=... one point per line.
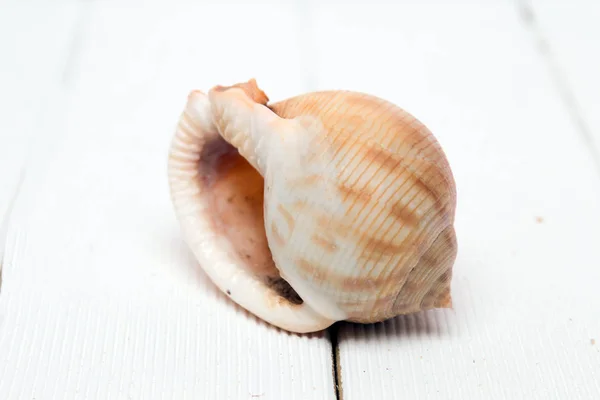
x=100, y=298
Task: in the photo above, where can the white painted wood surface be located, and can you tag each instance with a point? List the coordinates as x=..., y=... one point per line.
x=34, y=43
x=568, y=36
x=525, y=285
x=100, y=297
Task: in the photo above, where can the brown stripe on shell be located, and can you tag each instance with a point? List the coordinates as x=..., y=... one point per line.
x=405, y=214
x=333, y=225
x=354, y=194
x=309, y=180
x=348, y=283
x=298, y=206
x=311, y=269
x=389, y=161
x=277, y=238
x=376, y=247
x=381, y=156
x=360, y=192
x=289, y=218
x=324, y=243
x=423, y=186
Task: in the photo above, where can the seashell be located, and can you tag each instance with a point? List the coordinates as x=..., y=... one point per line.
x=328, y=206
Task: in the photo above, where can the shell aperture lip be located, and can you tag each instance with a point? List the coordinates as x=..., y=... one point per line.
x=217, y=197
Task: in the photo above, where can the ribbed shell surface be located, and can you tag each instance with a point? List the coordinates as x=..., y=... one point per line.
x=359, y=207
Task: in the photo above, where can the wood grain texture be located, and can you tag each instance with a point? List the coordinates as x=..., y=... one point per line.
x=31, y=36
x=566, y=37
x=101, y=298
x=525, y=286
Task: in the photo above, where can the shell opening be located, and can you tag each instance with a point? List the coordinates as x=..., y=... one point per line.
x=235, y=193
x=218, y=200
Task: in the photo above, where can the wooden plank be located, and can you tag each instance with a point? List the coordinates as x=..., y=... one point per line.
x=566, y=34
x=101, y=297
x=525, y=318
x=34, y=42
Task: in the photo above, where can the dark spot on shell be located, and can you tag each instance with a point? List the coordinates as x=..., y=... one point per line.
x=284, y=289
x=228, y=292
